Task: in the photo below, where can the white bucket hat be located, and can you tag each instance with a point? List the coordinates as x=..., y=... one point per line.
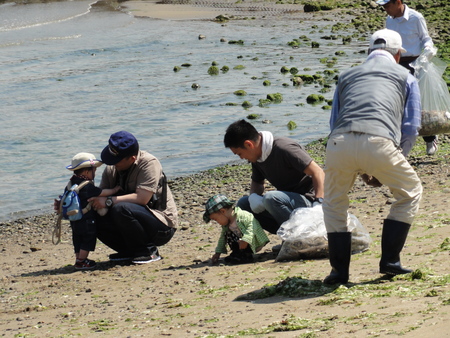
x=84, y=160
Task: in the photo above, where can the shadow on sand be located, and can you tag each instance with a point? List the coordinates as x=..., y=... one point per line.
x=69, y=269
x=297, y=288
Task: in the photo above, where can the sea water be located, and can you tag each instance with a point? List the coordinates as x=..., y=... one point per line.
x=73, y=73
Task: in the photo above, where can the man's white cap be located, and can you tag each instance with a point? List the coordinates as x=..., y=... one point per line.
x=386, y=38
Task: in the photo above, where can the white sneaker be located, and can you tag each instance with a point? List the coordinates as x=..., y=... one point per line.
x=432, y=147
x=146, y=259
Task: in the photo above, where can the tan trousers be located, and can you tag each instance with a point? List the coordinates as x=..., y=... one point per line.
x=351, y=154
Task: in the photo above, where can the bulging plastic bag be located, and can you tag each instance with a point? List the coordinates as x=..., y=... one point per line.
x=305, y=237
x=434, y=95
x=304, y=224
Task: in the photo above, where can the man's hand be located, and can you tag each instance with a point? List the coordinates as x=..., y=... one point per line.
x=98, y=202
x=370, y=180
x=430, y=52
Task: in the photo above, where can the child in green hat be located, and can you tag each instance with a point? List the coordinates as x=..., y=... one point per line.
x=240, y=230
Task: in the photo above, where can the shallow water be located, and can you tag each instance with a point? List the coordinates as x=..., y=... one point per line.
x=72, y=73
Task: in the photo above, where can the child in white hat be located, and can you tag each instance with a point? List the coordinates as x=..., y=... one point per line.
x=84, y=231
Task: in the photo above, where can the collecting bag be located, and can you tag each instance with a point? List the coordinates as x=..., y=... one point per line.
x=304, y=235
x=434, y=94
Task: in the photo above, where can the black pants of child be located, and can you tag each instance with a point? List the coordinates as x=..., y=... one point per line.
x=84, y=234
x=237, y=255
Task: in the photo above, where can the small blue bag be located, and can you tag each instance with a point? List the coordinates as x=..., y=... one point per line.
x=71, y=204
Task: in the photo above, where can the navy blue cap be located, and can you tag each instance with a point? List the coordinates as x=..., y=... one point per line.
x=121, y=144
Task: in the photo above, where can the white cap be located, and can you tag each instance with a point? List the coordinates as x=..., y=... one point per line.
x=386, y=39
x=84, y=160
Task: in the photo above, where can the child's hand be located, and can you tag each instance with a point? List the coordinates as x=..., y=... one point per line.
x=242, y=245
x=116, y=189
x=56, y=205
x=215, y=258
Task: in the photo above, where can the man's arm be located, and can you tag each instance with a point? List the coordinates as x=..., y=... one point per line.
x=412, y=116
x=318, y=178
x=109, y=192
x=424, y=36
x=141, y=197
x=257, y=187
x=334, y=109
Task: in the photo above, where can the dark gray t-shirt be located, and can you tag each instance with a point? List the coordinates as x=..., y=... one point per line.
x=284, y=167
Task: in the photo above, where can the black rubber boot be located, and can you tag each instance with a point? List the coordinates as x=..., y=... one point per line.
x=340, y=249
x=392, y=241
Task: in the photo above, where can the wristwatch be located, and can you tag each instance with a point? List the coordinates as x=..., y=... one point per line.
x=109, y=202
x=318, y=199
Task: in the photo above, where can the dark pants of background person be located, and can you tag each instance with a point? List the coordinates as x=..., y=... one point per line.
x=132, y=229
x=405, y=62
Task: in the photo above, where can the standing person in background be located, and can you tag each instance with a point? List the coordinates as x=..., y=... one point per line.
x=143, y=216
x=375, y=118
x=412, y=27
x=285, y=164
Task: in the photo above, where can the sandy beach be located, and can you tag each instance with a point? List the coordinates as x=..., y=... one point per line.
x=183, y=295
x=210, y=9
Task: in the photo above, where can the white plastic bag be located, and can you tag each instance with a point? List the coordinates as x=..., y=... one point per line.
x=434, y=95
x=304, y=224
x=361, y=239
x=305, y=236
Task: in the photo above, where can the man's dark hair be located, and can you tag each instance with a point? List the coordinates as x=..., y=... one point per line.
x=238, y=132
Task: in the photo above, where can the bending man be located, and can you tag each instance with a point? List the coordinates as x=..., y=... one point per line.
x=285, y=164
x=143, y=216
x=374, y=123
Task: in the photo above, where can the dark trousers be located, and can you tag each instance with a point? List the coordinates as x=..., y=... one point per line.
x=132, y=229
x=279, y=206
x=84, y=233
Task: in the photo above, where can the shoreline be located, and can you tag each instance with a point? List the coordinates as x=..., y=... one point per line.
x=156, y=10
x=178, y=184
x=207, y=9
x=234, y=177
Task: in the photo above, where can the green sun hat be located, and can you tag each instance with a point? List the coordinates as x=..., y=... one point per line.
x=214, y=204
